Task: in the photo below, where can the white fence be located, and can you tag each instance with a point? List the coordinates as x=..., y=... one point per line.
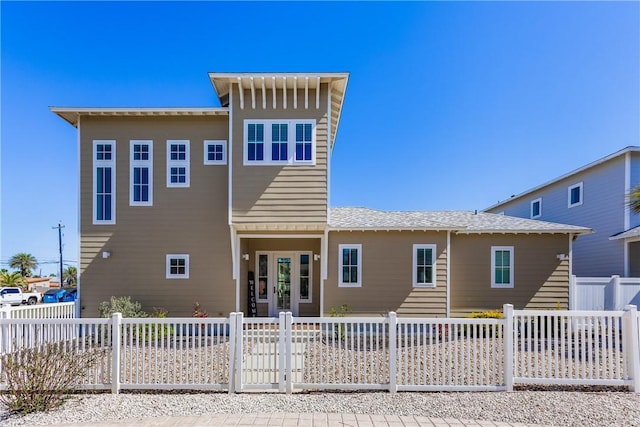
x=288, y=353
x=603, y=293
x=59, y=310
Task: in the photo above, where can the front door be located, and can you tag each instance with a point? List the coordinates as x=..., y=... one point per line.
x=283, y=280
x=282, y=291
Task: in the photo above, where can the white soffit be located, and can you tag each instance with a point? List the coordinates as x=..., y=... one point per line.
x=72, y=114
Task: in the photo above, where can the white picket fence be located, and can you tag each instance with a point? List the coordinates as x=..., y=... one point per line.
x=59, y=310
x=287, y=353
x=603, y=293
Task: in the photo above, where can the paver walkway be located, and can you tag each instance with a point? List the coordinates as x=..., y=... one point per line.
x=294, y=419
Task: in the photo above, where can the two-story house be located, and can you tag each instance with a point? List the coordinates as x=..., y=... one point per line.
x=593, y=196
x=228, y=206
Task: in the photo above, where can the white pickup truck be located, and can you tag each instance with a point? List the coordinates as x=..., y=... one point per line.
x=15, y=296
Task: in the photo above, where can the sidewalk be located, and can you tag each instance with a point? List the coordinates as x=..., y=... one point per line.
x=293, y=419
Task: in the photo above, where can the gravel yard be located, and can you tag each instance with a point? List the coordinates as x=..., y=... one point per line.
x=603, y=407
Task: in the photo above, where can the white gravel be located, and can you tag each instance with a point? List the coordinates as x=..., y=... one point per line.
x=558, y=408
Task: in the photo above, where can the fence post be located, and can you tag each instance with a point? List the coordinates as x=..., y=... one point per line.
x=5, y=342
x=282, y=374
x=631, y=346
x=288, y=352
x=393, y=341
x=508, y=345
x=232, y=351
x=116, y=336
x=573, y=292
x=239, y=350
x=615, y=280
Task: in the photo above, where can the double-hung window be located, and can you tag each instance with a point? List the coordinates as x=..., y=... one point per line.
x=215, y=152
x=350, y=266
x=177, y=163
x=104, y=182
x=575, y=195
x=177, y=266
x=502, y=266
x=424, y=266
x=141, y=173
x=536, y=208
x=279, y=142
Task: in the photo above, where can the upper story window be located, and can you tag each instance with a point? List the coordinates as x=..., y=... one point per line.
x=502, y=266
x=104, y=182
x=178, y=163
x=350, y=266
x=575, y=195
x=141, y=173
x=536, y=208
x=177, y=266
x=424, y=266
x=215, y=152
x=279, y=142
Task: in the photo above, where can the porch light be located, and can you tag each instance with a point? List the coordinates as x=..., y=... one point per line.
x=106, y=254
x=316, y=257
x=245, y=257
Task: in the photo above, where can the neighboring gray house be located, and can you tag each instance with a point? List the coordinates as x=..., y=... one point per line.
x=592, y=196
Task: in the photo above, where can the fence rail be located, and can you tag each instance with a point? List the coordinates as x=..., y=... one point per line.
x=289, y=353
x=59, y=310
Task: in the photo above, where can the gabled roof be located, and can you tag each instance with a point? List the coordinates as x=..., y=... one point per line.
x=258, y=82
x=457, y=221
x=567, y=175
x=632, y=232
x=72, y=114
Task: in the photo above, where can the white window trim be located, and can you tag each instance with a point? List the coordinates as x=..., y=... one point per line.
x=104, y=163
x=578, y=185
x=179, y=163
x=415, y=266
x=291, y=140
x=186, y=266
x=140, y=164
x=533, y=202
x=310, y=300
x=358, y=284
x=209, y=142
x=494, y=249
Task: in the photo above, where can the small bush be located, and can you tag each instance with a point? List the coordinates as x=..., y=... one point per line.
x=484, y=331
x=122, y=305
x=39, y=378
x=490, y=314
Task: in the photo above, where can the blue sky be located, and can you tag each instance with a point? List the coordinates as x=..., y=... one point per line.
x=449, y=105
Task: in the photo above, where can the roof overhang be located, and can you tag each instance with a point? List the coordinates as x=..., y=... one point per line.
x=72, y=115
x=383, y=229
x=632, y=233
x=256, y=82
x=279, y=227
x=524, y=231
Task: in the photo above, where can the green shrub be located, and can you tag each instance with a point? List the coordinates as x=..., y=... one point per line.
x=122, y=305
x=489, y=314
x=38, y=379
x=484, y=331
x=340, y=329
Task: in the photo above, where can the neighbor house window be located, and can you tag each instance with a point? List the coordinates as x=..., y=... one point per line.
x=279, y=142
x=575, y=195
x=215, y=152
x=350, y=265
x=141, y=173
x=536, y=208
x=177, y=163
x=424, y=266
x=177, y=266
x=104, y=182
x=502, y=266
x=305, y=277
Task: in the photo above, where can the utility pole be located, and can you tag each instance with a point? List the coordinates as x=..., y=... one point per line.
x=60, y=227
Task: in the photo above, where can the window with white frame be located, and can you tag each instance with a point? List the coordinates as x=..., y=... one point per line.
x=424, y=266
x=305, y=277
x=215, y=152
x=177, y=266
x=574, y=195
x=262, y=290
x=104, y=182
x=502, y=266
x=279, y=142
x=536, y=208
x=141, y=173
x=178, y=163
x=350, y=265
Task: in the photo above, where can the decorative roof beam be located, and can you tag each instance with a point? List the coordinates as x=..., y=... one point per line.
x=273, y=85
x=264, y=95
x=306, y=93
x=284, y=93
x=241, y=90
x=317, y=92
x=295, y=92
x=253, y=93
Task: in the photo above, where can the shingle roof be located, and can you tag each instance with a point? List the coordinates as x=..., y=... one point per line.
x=632, y=232
x=460, y=221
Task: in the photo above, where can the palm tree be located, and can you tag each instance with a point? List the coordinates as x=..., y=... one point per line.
x=633, y=198
x=24, y=262
x=70, y=276
x=12, y=279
